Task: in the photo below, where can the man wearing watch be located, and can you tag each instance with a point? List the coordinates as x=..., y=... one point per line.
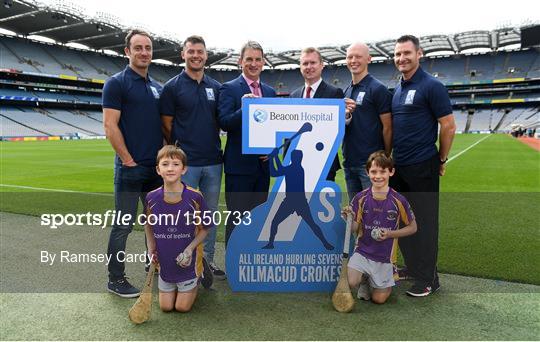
x=419, y=105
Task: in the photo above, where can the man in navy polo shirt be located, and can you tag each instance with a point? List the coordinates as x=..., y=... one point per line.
x=133, y=127
x=419, y=105
x=188, y=107
x=369, y=128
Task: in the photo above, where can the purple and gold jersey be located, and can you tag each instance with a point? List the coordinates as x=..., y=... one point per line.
x=371, y=213
x=174, y=234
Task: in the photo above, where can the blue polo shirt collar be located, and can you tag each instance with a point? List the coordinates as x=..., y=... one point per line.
x=417, y=77
x=363, y=81
x=133, y=75
x=185, y=76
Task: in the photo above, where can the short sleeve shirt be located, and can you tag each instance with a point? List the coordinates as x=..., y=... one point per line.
x=363, y=135
x=137, y=99
x=371, y=213
x=174, y=236
x=417, y=105
x=194, y=108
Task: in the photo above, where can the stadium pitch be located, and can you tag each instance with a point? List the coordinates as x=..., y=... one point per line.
x=489, y=229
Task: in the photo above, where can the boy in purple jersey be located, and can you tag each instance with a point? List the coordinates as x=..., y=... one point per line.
x=377, y=212
x=177, y=281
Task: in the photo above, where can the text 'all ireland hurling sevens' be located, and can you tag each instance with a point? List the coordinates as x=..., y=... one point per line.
x=295, y=239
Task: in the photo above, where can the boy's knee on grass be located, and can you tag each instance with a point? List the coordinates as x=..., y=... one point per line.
x=183, y=307
x=166, y=307
x=167, y=301
x=380, y=296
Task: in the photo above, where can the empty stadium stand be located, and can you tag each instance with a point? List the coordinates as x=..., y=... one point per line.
x=54, y=90
x=27, y=56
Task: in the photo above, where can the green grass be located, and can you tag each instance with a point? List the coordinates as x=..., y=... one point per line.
x=498, y=164
x=68, y=302
x=489, y=229
x=490, y=195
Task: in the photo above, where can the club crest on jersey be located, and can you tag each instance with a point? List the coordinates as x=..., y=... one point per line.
x=210, y=94
x=360, y=97
x=155, y=92
x=392, y=215
x=410, y=97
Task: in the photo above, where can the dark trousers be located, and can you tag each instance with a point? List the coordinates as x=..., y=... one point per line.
x=419, y=183
x=131, y=184
x=243, y=193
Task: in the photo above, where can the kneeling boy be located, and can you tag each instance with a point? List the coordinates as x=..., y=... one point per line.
x=178, y=276
x=377, y=212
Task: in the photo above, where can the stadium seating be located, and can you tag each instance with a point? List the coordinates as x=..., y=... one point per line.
x=449, y=69
x=461, y=120
x=78, y=120
x=33, y=58
x=51, y=122
x=106, y=66
x=29, y=56
x=92, y=99
x=98, y=116
x=482, y=120
x=13, y=129
x=15, y=92
x=524, y=116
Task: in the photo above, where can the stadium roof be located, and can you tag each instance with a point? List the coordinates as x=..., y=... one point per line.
x=65, y=23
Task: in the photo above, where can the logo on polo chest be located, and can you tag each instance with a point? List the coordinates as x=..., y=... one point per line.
x=410, y=97
x=210, y=94
x=155, y=92
x=360, y=97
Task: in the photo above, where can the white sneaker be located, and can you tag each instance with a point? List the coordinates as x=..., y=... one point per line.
x=364, y=291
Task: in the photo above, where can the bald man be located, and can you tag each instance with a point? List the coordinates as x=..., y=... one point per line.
x=369, y=128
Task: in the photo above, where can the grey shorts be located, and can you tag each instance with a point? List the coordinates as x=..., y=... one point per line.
x=381, y=274
x=184, y=286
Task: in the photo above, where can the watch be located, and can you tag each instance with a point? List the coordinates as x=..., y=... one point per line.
x=443, y=161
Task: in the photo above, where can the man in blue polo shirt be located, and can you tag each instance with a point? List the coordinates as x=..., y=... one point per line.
x=369, y=128
x=133, y=127
x=188, y=109
x=419, y=105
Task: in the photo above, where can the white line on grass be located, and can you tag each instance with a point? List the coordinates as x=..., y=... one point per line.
x=63, y=190
x=221, y=205
x=55, y=190
x=468, y=148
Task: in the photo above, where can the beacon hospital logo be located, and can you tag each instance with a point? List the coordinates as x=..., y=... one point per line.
x=260, y=115
x=294, y=241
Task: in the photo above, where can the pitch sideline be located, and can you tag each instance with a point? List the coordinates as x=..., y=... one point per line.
x=468, y=148
x=110, y=194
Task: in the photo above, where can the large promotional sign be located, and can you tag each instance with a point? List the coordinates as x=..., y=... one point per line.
x=294, y=241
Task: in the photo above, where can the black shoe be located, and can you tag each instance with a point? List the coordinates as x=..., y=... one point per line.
x=435, y=286
x=207, y=276
x=217, y=272
x=419, y=290
x=123, y=288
